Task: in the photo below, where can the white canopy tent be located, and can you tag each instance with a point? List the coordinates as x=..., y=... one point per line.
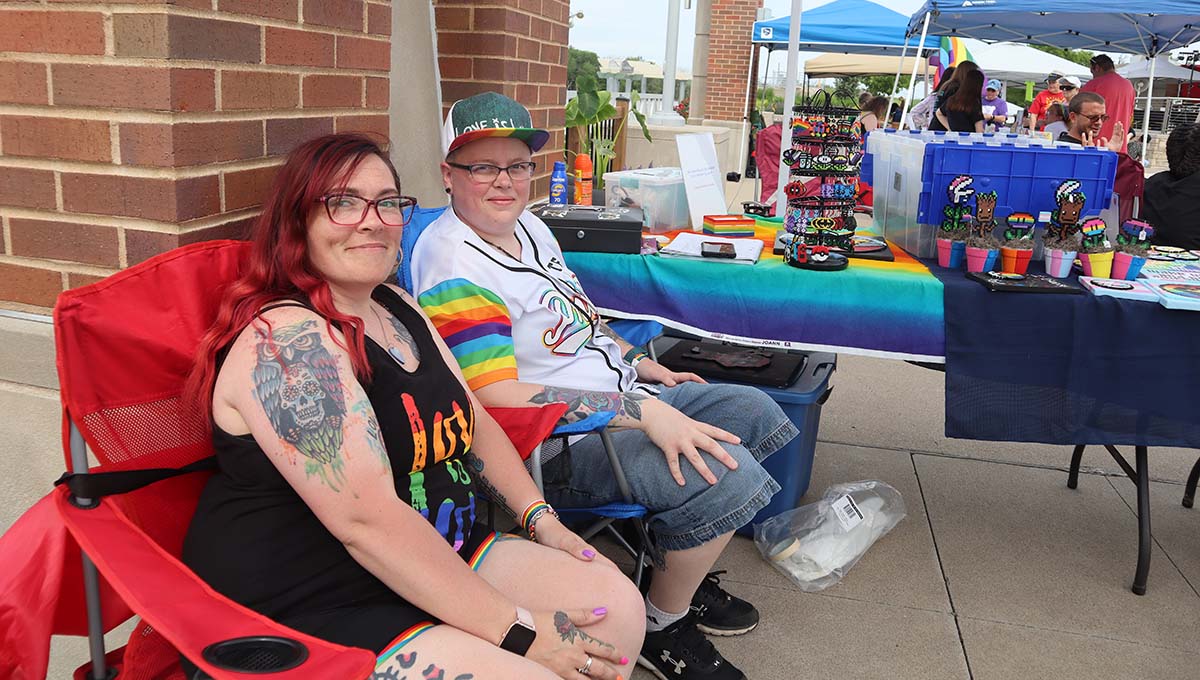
x=1164, y=69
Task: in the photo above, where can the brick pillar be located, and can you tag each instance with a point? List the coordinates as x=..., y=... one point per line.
x=729, y=58
x=517, y=48
x=126, y=131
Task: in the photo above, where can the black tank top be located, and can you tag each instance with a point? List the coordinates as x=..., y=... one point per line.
x=255, y=541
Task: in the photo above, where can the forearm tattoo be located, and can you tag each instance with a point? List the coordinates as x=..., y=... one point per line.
x=404, y=666
x=569, y=633
x=296, y=380
x=583, y=403
x=493, y=494
x=400, y=332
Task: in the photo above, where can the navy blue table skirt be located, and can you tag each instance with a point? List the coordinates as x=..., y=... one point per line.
x=1068, y=369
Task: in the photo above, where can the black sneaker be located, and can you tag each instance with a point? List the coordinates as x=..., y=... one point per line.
x=681, y=652
x=718, y=612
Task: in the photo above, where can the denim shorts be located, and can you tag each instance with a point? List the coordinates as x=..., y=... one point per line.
x=682, y=517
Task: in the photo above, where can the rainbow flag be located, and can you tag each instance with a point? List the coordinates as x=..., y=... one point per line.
x=952, y=52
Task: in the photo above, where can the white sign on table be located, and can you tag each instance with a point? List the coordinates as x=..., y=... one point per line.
x=701, y=177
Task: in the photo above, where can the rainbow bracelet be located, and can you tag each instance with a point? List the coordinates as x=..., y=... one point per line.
x=532, y=514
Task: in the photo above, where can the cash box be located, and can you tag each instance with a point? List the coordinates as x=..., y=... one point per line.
x=594, y=228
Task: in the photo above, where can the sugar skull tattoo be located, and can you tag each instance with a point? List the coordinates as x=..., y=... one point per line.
x=296, y=381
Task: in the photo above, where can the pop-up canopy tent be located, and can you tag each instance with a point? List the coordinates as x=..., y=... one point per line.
x=849, y=26
x=1099, y=25
x=1007, y=61
x=1164, y=70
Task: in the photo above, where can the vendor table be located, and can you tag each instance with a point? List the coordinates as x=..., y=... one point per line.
x=1055, y=369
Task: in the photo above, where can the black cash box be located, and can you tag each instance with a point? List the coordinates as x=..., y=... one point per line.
x=594, y=228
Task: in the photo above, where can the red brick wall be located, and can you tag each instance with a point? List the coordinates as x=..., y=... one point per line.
x=729, y=58
x=515, y=47
x=128, y=130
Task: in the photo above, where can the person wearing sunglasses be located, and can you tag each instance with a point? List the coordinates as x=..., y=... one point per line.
x=1118, y=94
x=493, y=280
x=1069, y=86
x=349, y=449
x=1086, y=115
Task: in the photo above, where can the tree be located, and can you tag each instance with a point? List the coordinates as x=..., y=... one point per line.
x=581, y=62
x=1081, y=57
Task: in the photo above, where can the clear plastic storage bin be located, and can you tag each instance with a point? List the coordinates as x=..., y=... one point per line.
x=659, y=192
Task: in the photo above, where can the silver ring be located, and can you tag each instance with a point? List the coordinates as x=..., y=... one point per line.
x=587, y=667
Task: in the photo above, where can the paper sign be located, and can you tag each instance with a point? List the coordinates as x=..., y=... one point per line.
x=847, y=512
x=701, y=177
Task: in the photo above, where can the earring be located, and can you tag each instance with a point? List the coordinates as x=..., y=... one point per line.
x=447, y=189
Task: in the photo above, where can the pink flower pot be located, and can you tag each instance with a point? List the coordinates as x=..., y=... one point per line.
x=951, y=253
x=1015, y=260
x=1058, y=263
x=981, y=259
x=1126, y=266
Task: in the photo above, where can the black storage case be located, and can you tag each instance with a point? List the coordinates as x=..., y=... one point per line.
x=594, y=229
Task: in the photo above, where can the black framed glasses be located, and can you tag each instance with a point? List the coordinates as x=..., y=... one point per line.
x=348, y=210
x=486, y=172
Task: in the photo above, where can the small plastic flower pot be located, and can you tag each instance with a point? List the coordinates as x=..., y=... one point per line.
x=1015, y=260
x=1058, y=262
x=981, y=259
x=951, y=254
x=1126, y=266
x=1098, y=265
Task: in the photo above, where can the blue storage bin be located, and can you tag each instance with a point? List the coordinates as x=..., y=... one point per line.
x=791, y=466
x=1024, y=177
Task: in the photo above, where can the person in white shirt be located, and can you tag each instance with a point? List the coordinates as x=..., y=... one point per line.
x=491, y=277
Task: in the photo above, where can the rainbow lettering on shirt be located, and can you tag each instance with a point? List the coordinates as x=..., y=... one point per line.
x=476, y=326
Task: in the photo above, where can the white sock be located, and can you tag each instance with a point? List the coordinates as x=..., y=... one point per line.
x=657, y=619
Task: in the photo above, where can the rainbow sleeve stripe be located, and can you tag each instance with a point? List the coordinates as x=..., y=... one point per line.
x=475, y=324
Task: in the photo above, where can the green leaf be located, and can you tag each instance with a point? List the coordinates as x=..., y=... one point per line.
x=587, y=97
x=573, y=117
x=605, y=112
x=641, y=119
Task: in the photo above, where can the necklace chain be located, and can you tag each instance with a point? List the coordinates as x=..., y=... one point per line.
x=501, y=248
x=394, y=352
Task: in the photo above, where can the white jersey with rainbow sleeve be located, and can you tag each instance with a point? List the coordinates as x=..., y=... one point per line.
x=505, y=318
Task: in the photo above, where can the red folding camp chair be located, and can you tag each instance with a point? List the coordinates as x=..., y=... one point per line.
x=125, y=346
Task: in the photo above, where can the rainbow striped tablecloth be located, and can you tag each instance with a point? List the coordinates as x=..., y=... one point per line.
x=883, y=309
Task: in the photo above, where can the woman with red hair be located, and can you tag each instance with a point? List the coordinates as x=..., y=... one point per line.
x=350, y=453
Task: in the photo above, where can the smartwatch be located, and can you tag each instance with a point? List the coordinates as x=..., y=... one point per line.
x=520, y=635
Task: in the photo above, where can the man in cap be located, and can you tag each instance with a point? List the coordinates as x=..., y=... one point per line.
x=492, y=279
x=1118, y=96
x=995, y=109
x=1051, y=95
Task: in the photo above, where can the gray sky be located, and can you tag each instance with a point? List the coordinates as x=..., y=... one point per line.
x=627, y=28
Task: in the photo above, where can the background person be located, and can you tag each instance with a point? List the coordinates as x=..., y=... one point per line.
x=1051, y=95
x=1118, y=96
x=350, y=454
x=871, y=113
x=1085, y=118
x=1056, y=120
x=995, y=109
x=492, y=278
x=922, y=113
x=962, y=110
x=1068, y=85
x=1172, y=197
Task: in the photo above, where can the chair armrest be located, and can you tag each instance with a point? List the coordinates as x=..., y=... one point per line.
x=593, y=423
x=183, y=608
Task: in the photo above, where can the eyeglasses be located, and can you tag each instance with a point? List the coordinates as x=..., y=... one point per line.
x=1068, y=88
x=349, y=210
x=1098, y=118
x=485, y=173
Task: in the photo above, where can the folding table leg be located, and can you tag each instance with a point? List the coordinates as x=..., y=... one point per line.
x=1143, y=507
x=1073, y=473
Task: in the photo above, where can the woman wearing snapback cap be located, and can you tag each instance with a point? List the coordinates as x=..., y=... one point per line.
x=492, y=279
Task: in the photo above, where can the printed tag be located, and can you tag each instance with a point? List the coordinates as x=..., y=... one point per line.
x=847, y=512
x=1044, y=216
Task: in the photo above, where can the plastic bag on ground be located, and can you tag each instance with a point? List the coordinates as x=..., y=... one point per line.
x=816, y=544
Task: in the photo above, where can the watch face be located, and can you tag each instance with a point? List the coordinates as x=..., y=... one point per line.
x=1112, y=285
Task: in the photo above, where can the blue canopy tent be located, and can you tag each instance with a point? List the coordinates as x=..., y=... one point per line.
x=1100, y=25
x=846, y=26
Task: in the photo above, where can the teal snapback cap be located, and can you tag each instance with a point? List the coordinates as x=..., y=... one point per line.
x=490, y=114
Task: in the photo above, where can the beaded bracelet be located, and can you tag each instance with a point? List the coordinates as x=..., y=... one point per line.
x=532, y=514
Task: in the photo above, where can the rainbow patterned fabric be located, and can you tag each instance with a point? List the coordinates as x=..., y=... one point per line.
x=872, y=308
x=475, y=325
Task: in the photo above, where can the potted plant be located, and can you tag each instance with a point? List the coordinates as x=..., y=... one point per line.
x=592, y=105
x=1131, y=251
x=1059, y=253
x=955, y=227
x=1096, y=252
x=1017, y=249
x=1061, y=242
